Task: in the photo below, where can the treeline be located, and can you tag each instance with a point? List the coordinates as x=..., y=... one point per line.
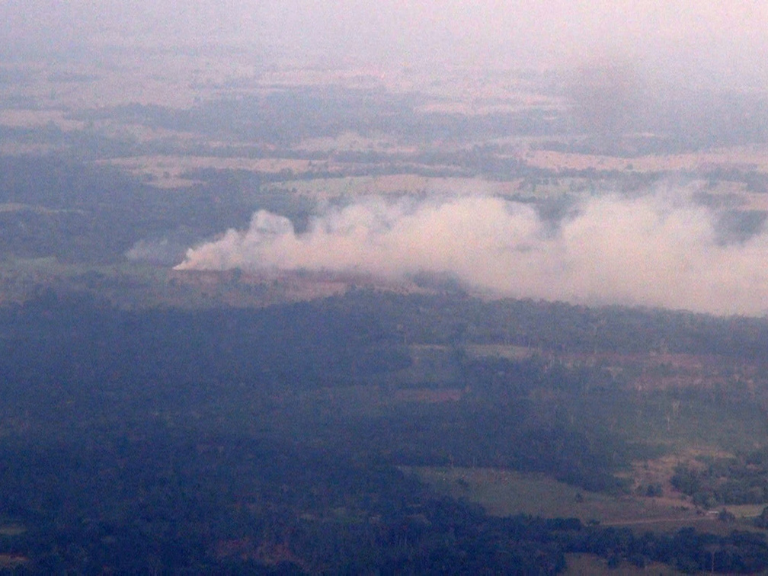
x=288, y=115
x=349, y=339
x=712, y=482
x=455, y=319
x=81, y=344
x=95, y=214
x=484, y=434
x=285, y=117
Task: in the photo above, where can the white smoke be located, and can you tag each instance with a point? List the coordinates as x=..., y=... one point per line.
x=654, y=250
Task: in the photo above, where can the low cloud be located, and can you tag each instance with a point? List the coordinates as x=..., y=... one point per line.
x=656, y=250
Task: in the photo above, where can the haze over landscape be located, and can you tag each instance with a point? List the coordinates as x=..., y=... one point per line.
x=703, y=39
x=341, y=287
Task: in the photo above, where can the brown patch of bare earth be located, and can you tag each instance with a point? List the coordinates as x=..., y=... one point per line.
x=739, y=158
x=12, y=561
x=429, y=396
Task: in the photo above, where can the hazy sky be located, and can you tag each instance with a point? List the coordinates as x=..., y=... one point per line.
x=725, y=37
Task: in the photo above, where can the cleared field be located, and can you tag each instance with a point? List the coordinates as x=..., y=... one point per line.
x=749, y=158
x=586, y=565
x=12, y=530
x=500, y=351
x=20, y=118
x=397, y=184
x=507, y=493
x=12, y=561
x=169, y=171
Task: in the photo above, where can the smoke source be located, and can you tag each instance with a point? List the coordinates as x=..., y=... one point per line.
x=656, y=250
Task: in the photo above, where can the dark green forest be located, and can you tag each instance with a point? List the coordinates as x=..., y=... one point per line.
x=226, y=440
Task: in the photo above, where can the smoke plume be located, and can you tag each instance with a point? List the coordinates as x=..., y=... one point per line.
x=655, y=250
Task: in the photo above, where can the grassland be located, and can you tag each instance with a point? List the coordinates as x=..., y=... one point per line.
x=508, y=493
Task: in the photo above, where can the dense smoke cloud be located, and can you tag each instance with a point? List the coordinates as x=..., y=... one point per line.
x=655, y=250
